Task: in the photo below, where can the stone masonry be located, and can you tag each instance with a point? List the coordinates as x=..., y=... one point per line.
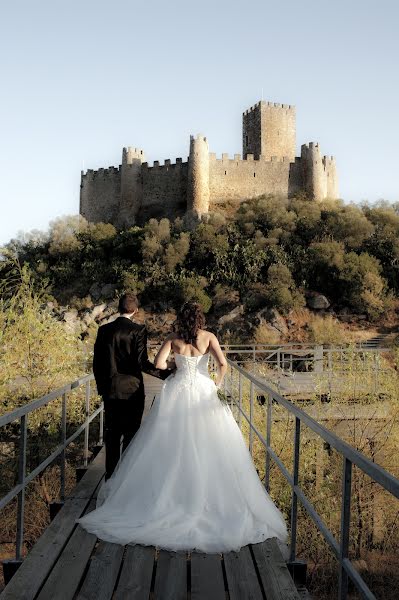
x=135, y=191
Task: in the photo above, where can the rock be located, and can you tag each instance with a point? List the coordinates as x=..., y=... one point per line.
x=87, y=318
x=274, y=319
x=95, y=291
x=108, y=290
x=233, y=314
x=98, y=310
x=50, y=305
x=317, y=301
x=110, y=319
x=70, y=316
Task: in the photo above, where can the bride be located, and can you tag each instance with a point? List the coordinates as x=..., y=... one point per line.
x=187, y=481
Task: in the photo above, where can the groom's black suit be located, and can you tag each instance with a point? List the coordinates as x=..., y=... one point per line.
x=120, y=357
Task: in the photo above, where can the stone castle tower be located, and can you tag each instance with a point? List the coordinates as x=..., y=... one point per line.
x=134, y=191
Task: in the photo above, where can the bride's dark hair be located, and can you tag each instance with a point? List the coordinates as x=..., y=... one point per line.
x=190, y=319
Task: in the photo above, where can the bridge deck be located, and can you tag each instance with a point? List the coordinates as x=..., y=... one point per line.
x=68, y=563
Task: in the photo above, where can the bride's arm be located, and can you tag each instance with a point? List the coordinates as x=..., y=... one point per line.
x=161, y=358
x=215, y=349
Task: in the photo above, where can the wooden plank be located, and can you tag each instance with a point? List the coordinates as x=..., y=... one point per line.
x=241, y=575
x=91, y=479
x=276, y=579
x=37, y=565
x=103, y=571
x=65, y=577
x=136, y=575
x=207, y=581
x=171, y=576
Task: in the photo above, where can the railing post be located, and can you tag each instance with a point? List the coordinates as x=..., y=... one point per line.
x=239, y=398
x=87, y=411
x=251, y=408
x=101, y=434
x=231, y=387
x=318, y=359
x=63, y=440
x=294, y=501
x=21, y=494
x=345, y=524
x=268, y=442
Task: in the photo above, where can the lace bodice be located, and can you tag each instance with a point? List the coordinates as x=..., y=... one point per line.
x=190, y=366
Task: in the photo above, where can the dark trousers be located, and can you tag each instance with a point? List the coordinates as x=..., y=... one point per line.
x=121, y=418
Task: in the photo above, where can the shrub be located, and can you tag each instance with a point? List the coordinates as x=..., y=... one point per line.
x=265, y=334
x=326, y=330
x=191, y=290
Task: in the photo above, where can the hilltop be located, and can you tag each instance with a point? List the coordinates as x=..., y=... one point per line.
x=266, y=271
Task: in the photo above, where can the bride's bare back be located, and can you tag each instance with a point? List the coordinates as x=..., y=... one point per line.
x=205, y=342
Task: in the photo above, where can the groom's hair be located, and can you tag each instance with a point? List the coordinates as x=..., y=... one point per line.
x=128, y=303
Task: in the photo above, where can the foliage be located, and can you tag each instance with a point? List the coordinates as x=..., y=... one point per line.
x=37, y=354
x=270, y=252
x=326, y=330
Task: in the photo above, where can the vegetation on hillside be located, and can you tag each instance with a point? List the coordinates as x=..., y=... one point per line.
x=269, y=253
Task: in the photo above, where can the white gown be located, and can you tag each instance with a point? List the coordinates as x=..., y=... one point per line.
x=186, y=481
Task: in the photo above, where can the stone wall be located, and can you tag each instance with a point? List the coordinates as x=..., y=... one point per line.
x=234, y=179
x=100, y=193
x=164, y=190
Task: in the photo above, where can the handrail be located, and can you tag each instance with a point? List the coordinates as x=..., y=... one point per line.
x=350, y=456
x=24, y=479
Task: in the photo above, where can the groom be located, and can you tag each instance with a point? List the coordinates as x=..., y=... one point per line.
x=120, y=357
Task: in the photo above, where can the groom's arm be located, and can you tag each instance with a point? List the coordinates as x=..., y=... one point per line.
x=145, y=364
x=100, y=367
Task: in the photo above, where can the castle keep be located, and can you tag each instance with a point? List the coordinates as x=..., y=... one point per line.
x=135, y=191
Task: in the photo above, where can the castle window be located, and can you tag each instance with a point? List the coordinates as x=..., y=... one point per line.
x=246, y=140
x=254, y=174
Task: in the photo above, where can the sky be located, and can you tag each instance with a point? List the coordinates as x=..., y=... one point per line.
x=83, y=78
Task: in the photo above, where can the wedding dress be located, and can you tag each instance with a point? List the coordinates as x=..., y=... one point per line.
x=186, y=481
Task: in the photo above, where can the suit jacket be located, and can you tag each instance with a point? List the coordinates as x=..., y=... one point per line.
x=120, y=357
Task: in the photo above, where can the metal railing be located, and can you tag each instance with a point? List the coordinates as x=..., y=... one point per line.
x=350, y=457
x=24, y=479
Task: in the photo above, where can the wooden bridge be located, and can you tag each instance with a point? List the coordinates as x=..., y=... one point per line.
x=69, y=563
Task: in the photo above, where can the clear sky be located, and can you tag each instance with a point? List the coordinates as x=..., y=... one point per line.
x=80, y=79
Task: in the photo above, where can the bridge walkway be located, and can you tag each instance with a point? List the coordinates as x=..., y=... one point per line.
x=68, y=563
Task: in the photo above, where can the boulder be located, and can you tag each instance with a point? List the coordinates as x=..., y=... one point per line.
x=233, y=314
x=95, y=291
x=108, y=291
x=317, y=301
x=109, y=319
x=87, y=318
x=70, y=316
x=274, y=319
x=98, y=310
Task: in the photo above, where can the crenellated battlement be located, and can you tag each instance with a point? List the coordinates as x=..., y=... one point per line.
x=225, y=158
x=131, y=154
x=167, y=164
x=262, y=104
x=93, y=174
x=198, y=137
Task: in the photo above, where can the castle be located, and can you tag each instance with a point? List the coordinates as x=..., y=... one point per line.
x=135, y=191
